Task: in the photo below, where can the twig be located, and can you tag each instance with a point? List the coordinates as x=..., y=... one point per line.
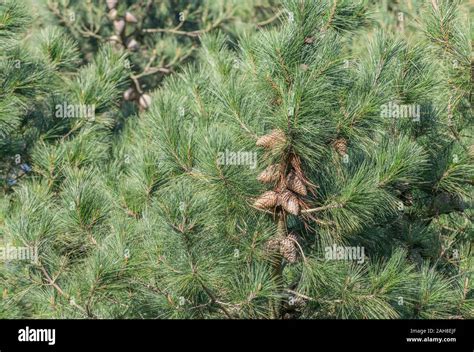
x=270, y=20
x=331, y=17
x=323, y=208
x=213, y=298
x=301, y=249
x=301, y=295
x=53, y=283
x=192, y=34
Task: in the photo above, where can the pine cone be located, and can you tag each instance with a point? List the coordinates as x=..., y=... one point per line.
x=267, y=200
x=295, y=184
x=288, y=248
x=119, y=26
x=115, y=39
x=129, y=94
x=294, y=236
x=113, y=14
x=289, y=202
x=340, y=145
x=111, y=4
x=145, y=101
x=271, y=140
x=295, y=162
x=132, y=45
x=273, y=244
x=130, y=17
x=270, y=174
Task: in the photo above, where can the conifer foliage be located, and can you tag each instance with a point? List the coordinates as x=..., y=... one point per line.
x=318, y=168
x=158, y=35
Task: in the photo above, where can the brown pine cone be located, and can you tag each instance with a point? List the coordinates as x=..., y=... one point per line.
x=270, y=174
x=119, y=26
x=130, y=17
x=273, y=244
x=267, y=200
x=111, y=4
x=295, y=184
x=288, y=248
x=289, y=202
x=271, y=140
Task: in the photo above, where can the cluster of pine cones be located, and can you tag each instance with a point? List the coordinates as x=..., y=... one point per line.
x=290, y=185
x=126, y=41
x=286, y=246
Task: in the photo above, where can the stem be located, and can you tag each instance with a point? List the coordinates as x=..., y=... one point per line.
x=192, y=34
x=277, y=272
x=215, y=301
x=323, y=208
x=53, y=283
x=271, y=19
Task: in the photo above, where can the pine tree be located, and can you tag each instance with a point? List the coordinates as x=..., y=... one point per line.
x=255, y=172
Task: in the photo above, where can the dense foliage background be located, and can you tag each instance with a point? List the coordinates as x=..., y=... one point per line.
x=232, y=147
